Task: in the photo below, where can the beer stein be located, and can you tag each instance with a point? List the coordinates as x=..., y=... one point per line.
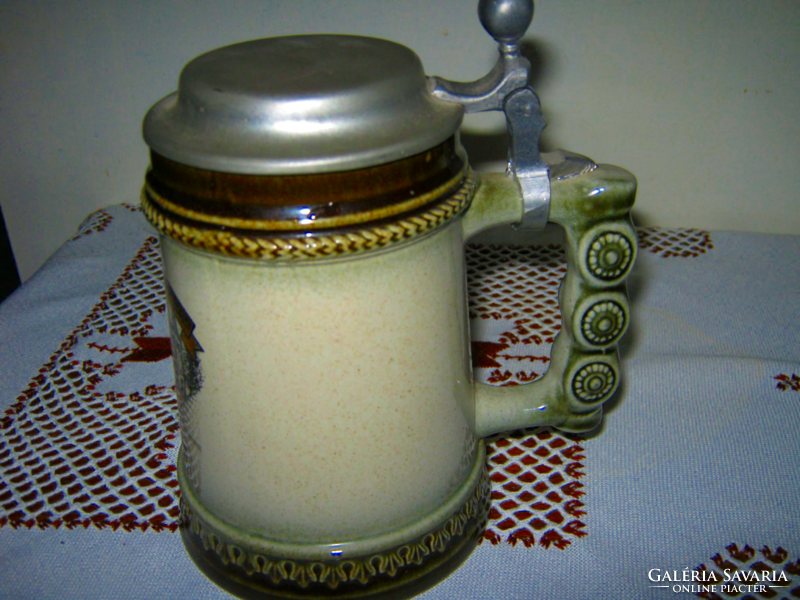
x=313, y=201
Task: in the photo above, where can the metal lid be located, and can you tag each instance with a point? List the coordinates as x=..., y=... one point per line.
x=300, y=104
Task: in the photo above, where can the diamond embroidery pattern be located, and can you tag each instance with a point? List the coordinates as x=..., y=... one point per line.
x=747, y=561
x=514, y=313
x=76, y=452
x=94, y=223
x=536, y=489
x=674, y=243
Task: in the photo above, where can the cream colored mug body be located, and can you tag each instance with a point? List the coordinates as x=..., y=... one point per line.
x=337, y=400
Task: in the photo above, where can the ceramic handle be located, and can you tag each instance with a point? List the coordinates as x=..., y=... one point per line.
x=593, y=209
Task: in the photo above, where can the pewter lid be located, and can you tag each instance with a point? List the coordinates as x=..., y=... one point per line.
x=300, y=104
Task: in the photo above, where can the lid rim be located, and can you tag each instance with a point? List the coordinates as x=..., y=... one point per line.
x=376, y=117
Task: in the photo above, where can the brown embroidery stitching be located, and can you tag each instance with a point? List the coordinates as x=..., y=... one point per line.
x=518, y=287
x=747, y=560
x=516, y=283
x=72, y=455
x=94, y=223
x=674, y=243
x=150, y=349
x=485, y=353
x=535, y=489
x=785, y=382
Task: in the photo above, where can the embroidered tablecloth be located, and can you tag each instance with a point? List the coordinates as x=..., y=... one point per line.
x=691, y=487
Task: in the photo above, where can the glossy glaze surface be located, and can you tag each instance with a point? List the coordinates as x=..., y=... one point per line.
x=336, y=398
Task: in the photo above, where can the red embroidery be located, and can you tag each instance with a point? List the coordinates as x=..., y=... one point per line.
x=513, y=295
x=76, y=456
x=535, y=489
x=785, y=382
x=674, y=243
x=484, y=354
x=517, y=283
x=104, y=348
x=751, y=564
x=95, y=222
x=151, y=349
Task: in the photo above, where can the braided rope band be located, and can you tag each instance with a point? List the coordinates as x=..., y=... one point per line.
x=311, y=244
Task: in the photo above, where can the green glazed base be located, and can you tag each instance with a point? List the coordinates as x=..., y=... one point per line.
x=400, y=564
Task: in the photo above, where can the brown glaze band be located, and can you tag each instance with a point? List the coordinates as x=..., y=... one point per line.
x=304, y=202
x=350, y=236
x=304, y=219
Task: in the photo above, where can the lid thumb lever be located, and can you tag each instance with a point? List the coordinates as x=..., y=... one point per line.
x=506, y=88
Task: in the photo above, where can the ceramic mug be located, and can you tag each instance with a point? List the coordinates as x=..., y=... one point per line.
x=331, y=428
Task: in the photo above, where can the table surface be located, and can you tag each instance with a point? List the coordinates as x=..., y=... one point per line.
x=694, y=470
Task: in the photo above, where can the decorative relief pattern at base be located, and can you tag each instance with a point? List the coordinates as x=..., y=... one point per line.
x=312, y=576
x=674, y=243
x=536, y=489
x=745, y=568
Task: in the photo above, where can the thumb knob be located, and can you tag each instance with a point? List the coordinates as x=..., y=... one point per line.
x=505, y=20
